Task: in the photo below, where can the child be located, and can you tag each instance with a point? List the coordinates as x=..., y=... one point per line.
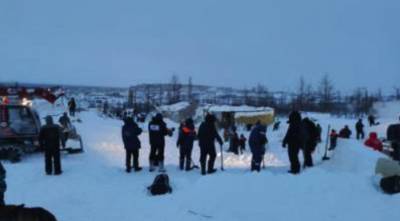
x=333, y=137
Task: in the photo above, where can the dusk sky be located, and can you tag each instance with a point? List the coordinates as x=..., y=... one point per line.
x=217, y=42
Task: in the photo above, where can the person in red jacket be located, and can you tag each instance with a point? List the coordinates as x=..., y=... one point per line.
x=374, y=142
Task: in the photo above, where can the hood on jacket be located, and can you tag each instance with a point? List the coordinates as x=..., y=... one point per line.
x=373, y=135
x=294, y=117
x=49, y=120
x=128, y=120
x=210, y=119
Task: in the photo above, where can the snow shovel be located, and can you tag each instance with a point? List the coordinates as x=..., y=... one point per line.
x=222, y=158
x=327, y=144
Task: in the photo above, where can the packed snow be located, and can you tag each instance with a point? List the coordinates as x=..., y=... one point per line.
x=95, y=186
x=175, y=107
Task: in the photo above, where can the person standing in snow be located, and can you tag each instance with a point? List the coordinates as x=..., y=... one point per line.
x=295, y=141
x=50, y=139
x=72, y=107
x=130, y=137
x=333, y=139
x=207, y=136
x=234, y=141
x=157, y=132
x=3, y=185
x=65, y=124
x=371, y=120
x=360, y=129
x=187, y=135
x=311, y=136
x=257, y=142
x=242, y=143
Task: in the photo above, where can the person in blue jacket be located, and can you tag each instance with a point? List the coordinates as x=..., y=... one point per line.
x=257, y=142
x=130, y=137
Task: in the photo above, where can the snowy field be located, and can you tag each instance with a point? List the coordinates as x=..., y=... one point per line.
x=94, y=185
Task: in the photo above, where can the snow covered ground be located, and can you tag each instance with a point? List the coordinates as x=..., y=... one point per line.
x=94, y=185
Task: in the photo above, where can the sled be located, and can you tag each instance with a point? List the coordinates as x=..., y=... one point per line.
x=73, y=135
x=387, y=167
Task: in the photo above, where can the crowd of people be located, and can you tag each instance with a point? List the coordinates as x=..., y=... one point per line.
x=303, y=135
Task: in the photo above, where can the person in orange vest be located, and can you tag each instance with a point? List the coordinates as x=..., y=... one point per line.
x=187, y=135
x=333, y=139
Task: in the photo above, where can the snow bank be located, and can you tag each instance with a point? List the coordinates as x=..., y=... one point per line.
x=175, y=107
x=243, y=108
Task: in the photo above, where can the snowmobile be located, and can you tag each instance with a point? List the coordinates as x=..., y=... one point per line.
x=392, y=142
x=19, y=131
x=20, y=123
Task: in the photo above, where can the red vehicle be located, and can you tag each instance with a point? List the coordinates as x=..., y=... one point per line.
x=19, y=130
x=19, y=122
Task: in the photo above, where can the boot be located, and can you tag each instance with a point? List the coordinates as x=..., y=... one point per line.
x=181, y=164
x=151, y=168
x=203, y=168
x=211, y=171
x=161, y=167
x=188, y=165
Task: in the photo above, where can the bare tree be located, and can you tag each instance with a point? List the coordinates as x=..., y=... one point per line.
x=246, y=97
x=131, y=98
x=397, y=93
x=160, y=94
x=301, y=91
x=261, y=95
x=379, y=95
x=147, y=95
x=175, y=91
x=190, y=90
x=326, y=93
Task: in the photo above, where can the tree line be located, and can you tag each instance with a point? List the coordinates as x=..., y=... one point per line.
x=323, y=97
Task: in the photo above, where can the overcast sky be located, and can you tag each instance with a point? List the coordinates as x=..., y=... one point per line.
x=217, y=42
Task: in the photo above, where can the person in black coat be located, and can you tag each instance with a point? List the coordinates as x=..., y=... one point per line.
x=3, y=185
x=50, y=139
x=360, y=129
x=130, y=137
x=295, y=140
x=234, y=141
x=207, y=136
x=157, y=132
x=72, y=107
x=257, y=142
x=311, y=136
x=187, y=135
x=242, y=143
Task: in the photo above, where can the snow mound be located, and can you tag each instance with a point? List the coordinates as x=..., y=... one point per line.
x=175, y=107
x=388, y=110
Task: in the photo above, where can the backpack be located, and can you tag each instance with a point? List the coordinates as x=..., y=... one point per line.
x=160, y=185
x=390, y=185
